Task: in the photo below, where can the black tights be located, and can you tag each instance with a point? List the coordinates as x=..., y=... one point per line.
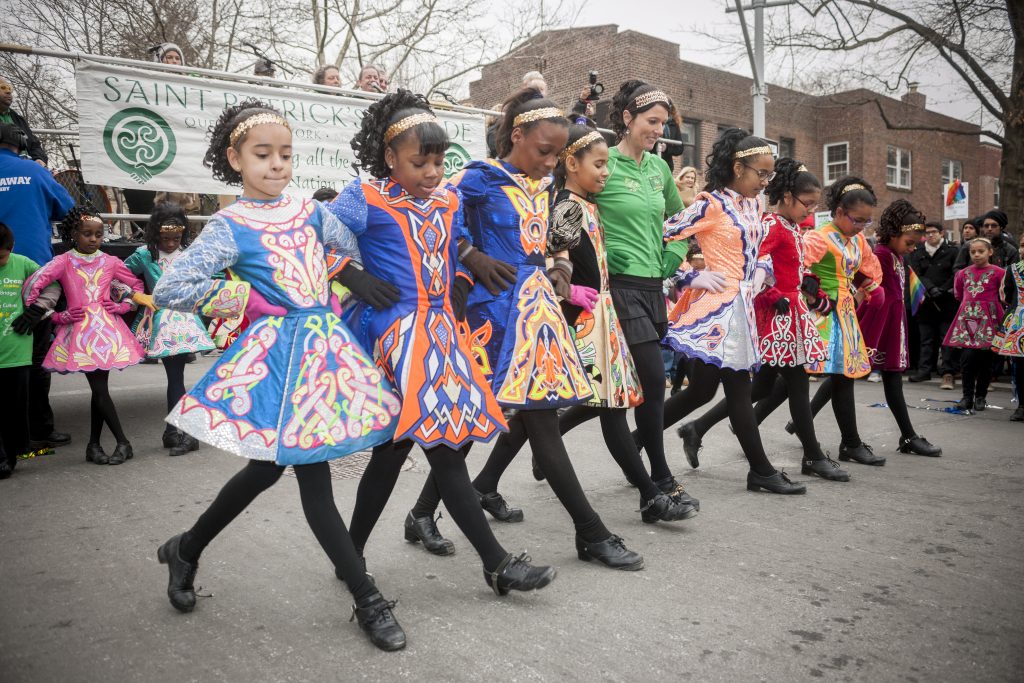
x=317, y=503
x=650, y=369
x=976, y=372
x=449, y=474
x=101, y=408
x=540, y=427
x=174, y=368
x=793, y=382
x=704, y=382
x=835, y=388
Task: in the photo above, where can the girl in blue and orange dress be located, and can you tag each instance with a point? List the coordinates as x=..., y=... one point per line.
x=408, y=227
x=295, y=388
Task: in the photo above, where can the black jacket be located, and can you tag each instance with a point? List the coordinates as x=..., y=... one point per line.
x=35, y=148
x=1004, y=253
x=936, y=273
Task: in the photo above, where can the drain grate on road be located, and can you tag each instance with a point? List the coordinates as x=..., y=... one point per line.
x=352, y=466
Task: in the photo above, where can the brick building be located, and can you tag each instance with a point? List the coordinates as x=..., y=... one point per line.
x=832, y=134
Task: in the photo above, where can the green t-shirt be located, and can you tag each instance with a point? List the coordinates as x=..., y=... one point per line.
x=5, y=117
x=634, y=204
x=15, y=349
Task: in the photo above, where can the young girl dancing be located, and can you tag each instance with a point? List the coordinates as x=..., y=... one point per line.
x=408, y=229
x=91, y=336
x=522, y=335
x=717, y=328
x=1010, y=339
x=977, y=288
x=294, y=389
x=166, y=334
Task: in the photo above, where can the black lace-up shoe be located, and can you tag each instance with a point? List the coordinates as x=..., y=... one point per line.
x=861, y=453
x=377, y=618
x=611, y=552
x=918, y=445
x=665, y=508
x=424, y=530
x=182, y=574
x=499, y=508
x=517, y=574
x=691, y=443
x=776, y=483
x=826, y=469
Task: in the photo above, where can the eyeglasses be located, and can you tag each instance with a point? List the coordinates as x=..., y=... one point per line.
x=810, y=207
x=990, y=224
x=764, y=176
x=866, y=223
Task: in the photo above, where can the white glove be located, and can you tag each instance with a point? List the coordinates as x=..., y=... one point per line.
x=709, y=280
x=760, y=275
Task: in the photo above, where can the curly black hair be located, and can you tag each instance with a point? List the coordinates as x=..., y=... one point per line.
x=842, y=195
x=719, y=171
x=896, y=215
x=67, y=227
x=521, y=102
x=165, y=213
x=216, y=158
x=368, y=143
x=576, y=131
x=789, y=178
x=622, y=101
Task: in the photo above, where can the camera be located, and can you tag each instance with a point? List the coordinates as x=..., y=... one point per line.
x=596, y=89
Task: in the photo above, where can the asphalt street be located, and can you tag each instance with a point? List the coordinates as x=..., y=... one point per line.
x=910, y=572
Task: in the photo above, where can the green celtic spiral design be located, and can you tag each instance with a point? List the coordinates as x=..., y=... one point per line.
x=139, y=142
x=455, y=159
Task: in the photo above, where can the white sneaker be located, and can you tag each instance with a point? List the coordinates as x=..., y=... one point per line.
x=875, y=377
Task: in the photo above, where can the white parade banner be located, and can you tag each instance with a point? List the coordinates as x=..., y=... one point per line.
x=148, y=130
x=954, y=200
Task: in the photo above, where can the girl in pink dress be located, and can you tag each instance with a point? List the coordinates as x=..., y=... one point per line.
x=977, y=289
x=90, y=335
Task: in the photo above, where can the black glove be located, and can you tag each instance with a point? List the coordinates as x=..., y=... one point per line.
x=378, y=293
x=810, y=285
x=782, y=305
x=935, y=292
x=460, y=294
x=27, y=321
x=560, y=275
x=495, y=275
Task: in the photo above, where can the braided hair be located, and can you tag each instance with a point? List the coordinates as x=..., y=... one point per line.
x=719, y=173
x=842, y=196
x=369, y=144
x=896, y=215
x=165, y=213
x=576, y=132
x=790, y=178
x=216, y=158
x=73, y=220
x=521, y=102
x=623, y=101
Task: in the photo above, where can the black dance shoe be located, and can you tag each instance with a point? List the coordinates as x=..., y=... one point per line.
x=918, y=445
x=54, y=439
x=1018, y=415
x=776, y=483
x=376, y=617
x=186, y=444
x=826, y=468
x=94, y=453
x=517, y=574
x=179, y=586
x=665, y=508
x=673, y=488
x=424, y=530
x=790, y=427
x=499, y=508
x=171, y=438
x=611, y=552
x=691, y=443
x=861, y=453
x=980, y=403
x=122, y=452
x=965, y=404
x=537, y=473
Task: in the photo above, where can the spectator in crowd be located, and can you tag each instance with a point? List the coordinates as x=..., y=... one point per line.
x=993, y=227
x=168, y=53
x=30, y=199
x=933, y=263
x=968, y=231
x=372, y=79
x=328, y=74
x=686, y=183
x=673, y=131
x=535, y=80
x=32, y=148
x=264, y=67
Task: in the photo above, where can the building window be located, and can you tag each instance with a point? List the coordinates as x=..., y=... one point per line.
x=897, y=168
x=951, y=169
x=837, y=161
x=995, y=195
x=691, y=135
x=786, y=146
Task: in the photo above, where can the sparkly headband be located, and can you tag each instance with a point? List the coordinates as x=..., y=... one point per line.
x=171, y=229
x=851, y=188
x=592, y=136
x=802, y=169
x=89, y=217
x=764, y=149
x=913, y=227
x=537, y=115
x=402, y=125
x=647, y=98
x=253, y=121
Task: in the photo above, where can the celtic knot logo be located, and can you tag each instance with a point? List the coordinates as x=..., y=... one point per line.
x=139, y=142
x=455, y=159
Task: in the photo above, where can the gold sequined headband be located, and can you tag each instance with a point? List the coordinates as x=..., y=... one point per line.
x=647, y=98
x=171, y=229
x=851, y=188
x=753, y=151
x=537, y=115
x=402, y=125
x=253, y=121
x=802, y=169
x=591, y=137
x=89, y=217
x=913, y=227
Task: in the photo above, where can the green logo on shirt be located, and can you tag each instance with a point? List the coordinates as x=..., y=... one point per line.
x=455, y=159
x=139, y=142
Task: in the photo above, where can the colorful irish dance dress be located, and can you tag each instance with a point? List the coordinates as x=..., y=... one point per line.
x=599, y=338
x=719, y=328
x=836, y=260
x=1009, y=341
x=786, y=339
x=166, y=332
x=885, y=327
x=293, y=389
x=413, y=243
x=101, y=340
x=980, y=311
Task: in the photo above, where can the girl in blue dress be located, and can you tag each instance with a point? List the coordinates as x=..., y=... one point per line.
x=295, y=388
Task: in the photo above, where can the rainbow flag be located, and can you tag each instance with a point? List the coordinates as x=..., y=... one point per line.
x=916, y=291
x=955, y=193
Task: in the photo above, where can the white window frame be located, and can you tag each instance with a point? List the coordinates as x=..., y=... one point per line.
x=948, y=165
x=902, y=155
x=829, y=179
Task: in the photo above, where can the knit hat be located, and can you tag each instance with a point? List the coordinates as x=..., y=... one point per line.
x=997, y=216
x=168, y=47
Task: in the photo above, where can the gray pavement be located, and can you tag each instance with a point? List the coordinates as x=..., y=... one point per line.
x=911, y=572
